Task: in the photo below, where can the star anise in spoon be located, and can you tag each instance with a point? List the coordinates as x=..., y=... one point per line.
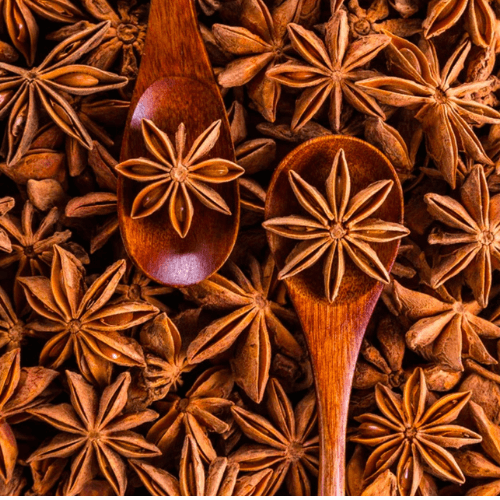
x=336, y=225
x=176, y=175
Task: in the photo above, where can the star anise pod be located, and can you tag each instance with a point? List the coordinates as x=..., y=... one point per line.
x=175, y=174
x=256, y=319
x=258, y=44
x=221, y=478
x=288, y=444
x=137, y=287
x=474, y=239
x=480, y=19
x=196, y=414
x=124, y=39
x=412, y=434
x=26, y=92
x=95, y=433
x=13, y=331
x=383, y=364
x=22, y=27
x=451, y=328
x=22, y=390
x=330, y=71
x=166, y=358
x=84, y=322
x=336, y=225
x=6, y=204
x=479, y=465
x=444, y=109
x=373, y=20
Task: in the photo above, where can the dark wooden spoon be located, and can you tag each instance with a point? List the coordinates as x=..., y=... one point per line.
x=333, y=331
x=176, y=85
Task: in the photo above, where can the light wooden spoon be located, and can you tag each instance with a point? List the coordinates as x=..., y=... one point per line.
x=176, y=85
x=334, y=331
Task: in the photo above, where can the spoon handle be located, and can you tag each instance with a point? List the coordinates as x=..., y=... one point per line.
x=334, y=334
x=174, y=47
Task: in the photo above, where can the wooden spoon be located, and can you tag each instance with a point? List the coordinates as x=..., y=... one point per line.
x=334, y=331
x=176, y=85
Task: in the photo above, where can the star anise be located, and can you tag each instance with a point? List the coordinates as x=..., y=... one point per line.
x=221, y=479
x=22, y=390
x=124, y=39
x=480, y=19
x=445, y=111
x=450, y=328
x=6, y=204
x=175, y=174
x=479, y=465
x=13, y=331
x=83, y=321
x=166, y=358
x=259, y=43
x=289, y=445
x=31, y=248
x=22, y=28
x=254, y=318
x=475, y=235
x=95, y=432
x=137, y=287
x=340, y=224
x=196, y=414
x=26, y=92
x=371, y=20
x=412, y=434
x=383, y=364
x=331, y=69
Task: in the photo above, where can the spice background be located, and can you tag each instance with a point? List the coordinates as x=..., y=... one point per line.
x=113, y=384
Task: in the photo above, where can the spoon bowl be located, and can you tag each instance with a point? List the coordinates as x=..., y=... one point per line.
x=176, y=85
x=334, y=331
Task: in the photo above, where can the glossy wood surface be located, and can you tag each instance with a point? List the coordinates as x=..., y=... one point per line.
x=333, y=331
x=176, y=85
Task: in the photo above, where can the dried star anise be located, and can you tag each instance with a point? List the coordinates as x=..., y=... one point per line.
x=176, y=174
x=84, y=322
x=26, y=92
x=95, y=432
x=413, y=434
x=336, y=225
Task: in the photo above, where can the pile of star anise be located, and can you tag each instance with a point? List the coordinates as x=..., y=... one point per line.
x=113, y=384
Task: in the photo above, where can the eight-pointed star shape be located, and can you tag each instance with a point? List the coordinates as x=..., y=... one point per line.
x=340, y=224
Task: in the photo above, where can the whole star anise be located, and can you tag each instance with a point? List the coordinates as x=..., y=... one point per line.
x=444, y=109
x=412, y=434
x=330, y=71
x=258, y=44
x=474, y=239
x=95, y=433
x=336, y=225
x=24, y=93
x=175, y=174
x=288, y=444
x=84, y=322
x=255, y=320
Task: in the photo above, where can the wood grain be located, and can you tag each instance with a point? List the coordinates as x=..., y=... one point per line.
x=333, y=331
x=176, y=85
